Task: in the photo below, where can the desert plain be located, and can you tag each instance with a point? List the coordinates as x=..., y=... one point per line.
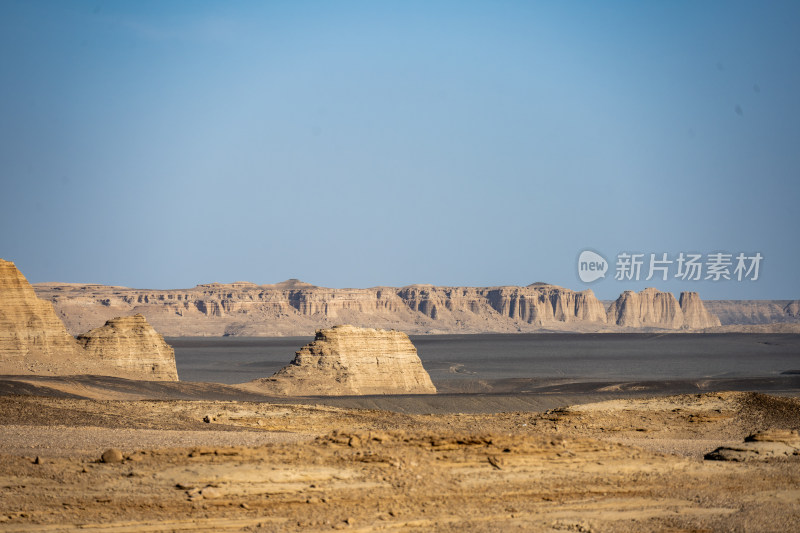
x=97, y=433
x=198, y=465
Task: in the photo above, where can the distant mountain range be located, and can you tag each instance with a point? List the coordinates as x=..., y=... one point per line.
x=294, y=307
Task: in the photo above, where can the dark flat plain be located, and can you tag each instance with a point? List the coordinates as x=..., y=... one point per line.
x=478, y=373
x=472, y=358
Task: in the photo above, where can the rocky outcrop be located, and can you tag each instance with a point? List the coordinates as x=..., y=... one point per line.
x=648, y=308
x=792, y=309
x=34, y=341
x=752, y=312
x=293, y=307
x=695, y=314
x=346, y=360
x=652, y=308
x=132, y=347
x=542, y=304
x=32, y=338
x=297, y=308
x=537, y=304
x=760, y=446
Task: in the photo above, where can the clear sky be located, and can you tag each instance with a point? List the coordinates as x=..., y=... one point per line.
x=351, y=144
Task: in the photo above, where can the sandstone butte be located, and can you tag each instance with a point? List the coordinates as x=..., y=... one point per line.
x=653, y=308
x=132, y=346
x=297, y=308
x=347, y=360
x=34, y=341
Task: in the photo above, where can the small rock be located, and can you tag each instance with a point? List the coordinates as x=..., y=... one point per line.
x=207, y=419
x=210, y=493
x=37, y=461
x=112, y=455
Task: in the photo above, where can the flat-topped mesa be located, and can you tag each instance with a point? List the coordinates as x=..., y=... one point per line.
x=347, y=360
x=648, y=308
x=652, y=308
x=32, y=338
x=542, y=303
x=297, y=308
x=538, y=303
x=131, y=346
x=695, y=314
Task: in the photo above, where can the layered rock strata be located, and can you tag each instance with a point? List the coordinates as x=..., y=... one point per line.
x=32, y=338
x=346, y=360
x=295, y=308
x=761, y=446
x=34, y=341
x=652, y=308
x=751, y=312
x=695, y=314
x=131, y=346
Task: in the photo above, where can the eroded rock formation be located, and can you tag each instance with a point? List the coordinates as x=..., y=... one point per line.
x=34, y=341
x=648, y=308
x=131, y=346
x=652, y=308
x=750, y=312
x=768, y=444
x=297, y=308
x=32, y=338
x=695, y=314
x=346, y=360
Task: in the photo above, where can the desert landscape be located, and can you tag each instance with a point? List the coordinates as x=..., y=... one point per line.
x=399, y=266
x=624, y=465
x=99, y=434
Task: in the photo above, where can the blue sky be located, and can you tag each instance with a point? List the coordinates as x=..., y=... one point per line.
x=354, y=144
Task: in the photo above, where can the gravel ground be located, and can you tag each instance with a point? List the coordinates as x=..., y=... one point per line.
x=62, y=441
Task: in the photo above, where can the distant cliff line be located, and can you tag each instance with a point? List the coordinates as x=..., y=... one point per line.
x=297, y=308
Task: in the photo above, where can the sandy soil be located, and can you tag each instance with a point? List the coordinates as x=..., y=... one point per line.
x=621, y=465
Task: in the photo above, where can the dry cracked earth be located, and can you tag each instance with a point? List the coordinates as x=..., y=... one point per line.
x=620, y=465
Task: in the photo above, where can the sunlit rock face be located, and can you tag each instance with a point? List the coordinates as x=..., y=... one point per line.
x=132, y=348
x=695, y=314
x=33, y=340
x=296, y=308
x=655, y=309
x=346, y=360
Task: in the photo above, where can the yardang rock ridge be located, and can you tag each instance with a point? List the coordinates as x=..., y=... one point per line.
x=34, y=341
x=132, y=345
x=297, y=308
x=346, y=360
